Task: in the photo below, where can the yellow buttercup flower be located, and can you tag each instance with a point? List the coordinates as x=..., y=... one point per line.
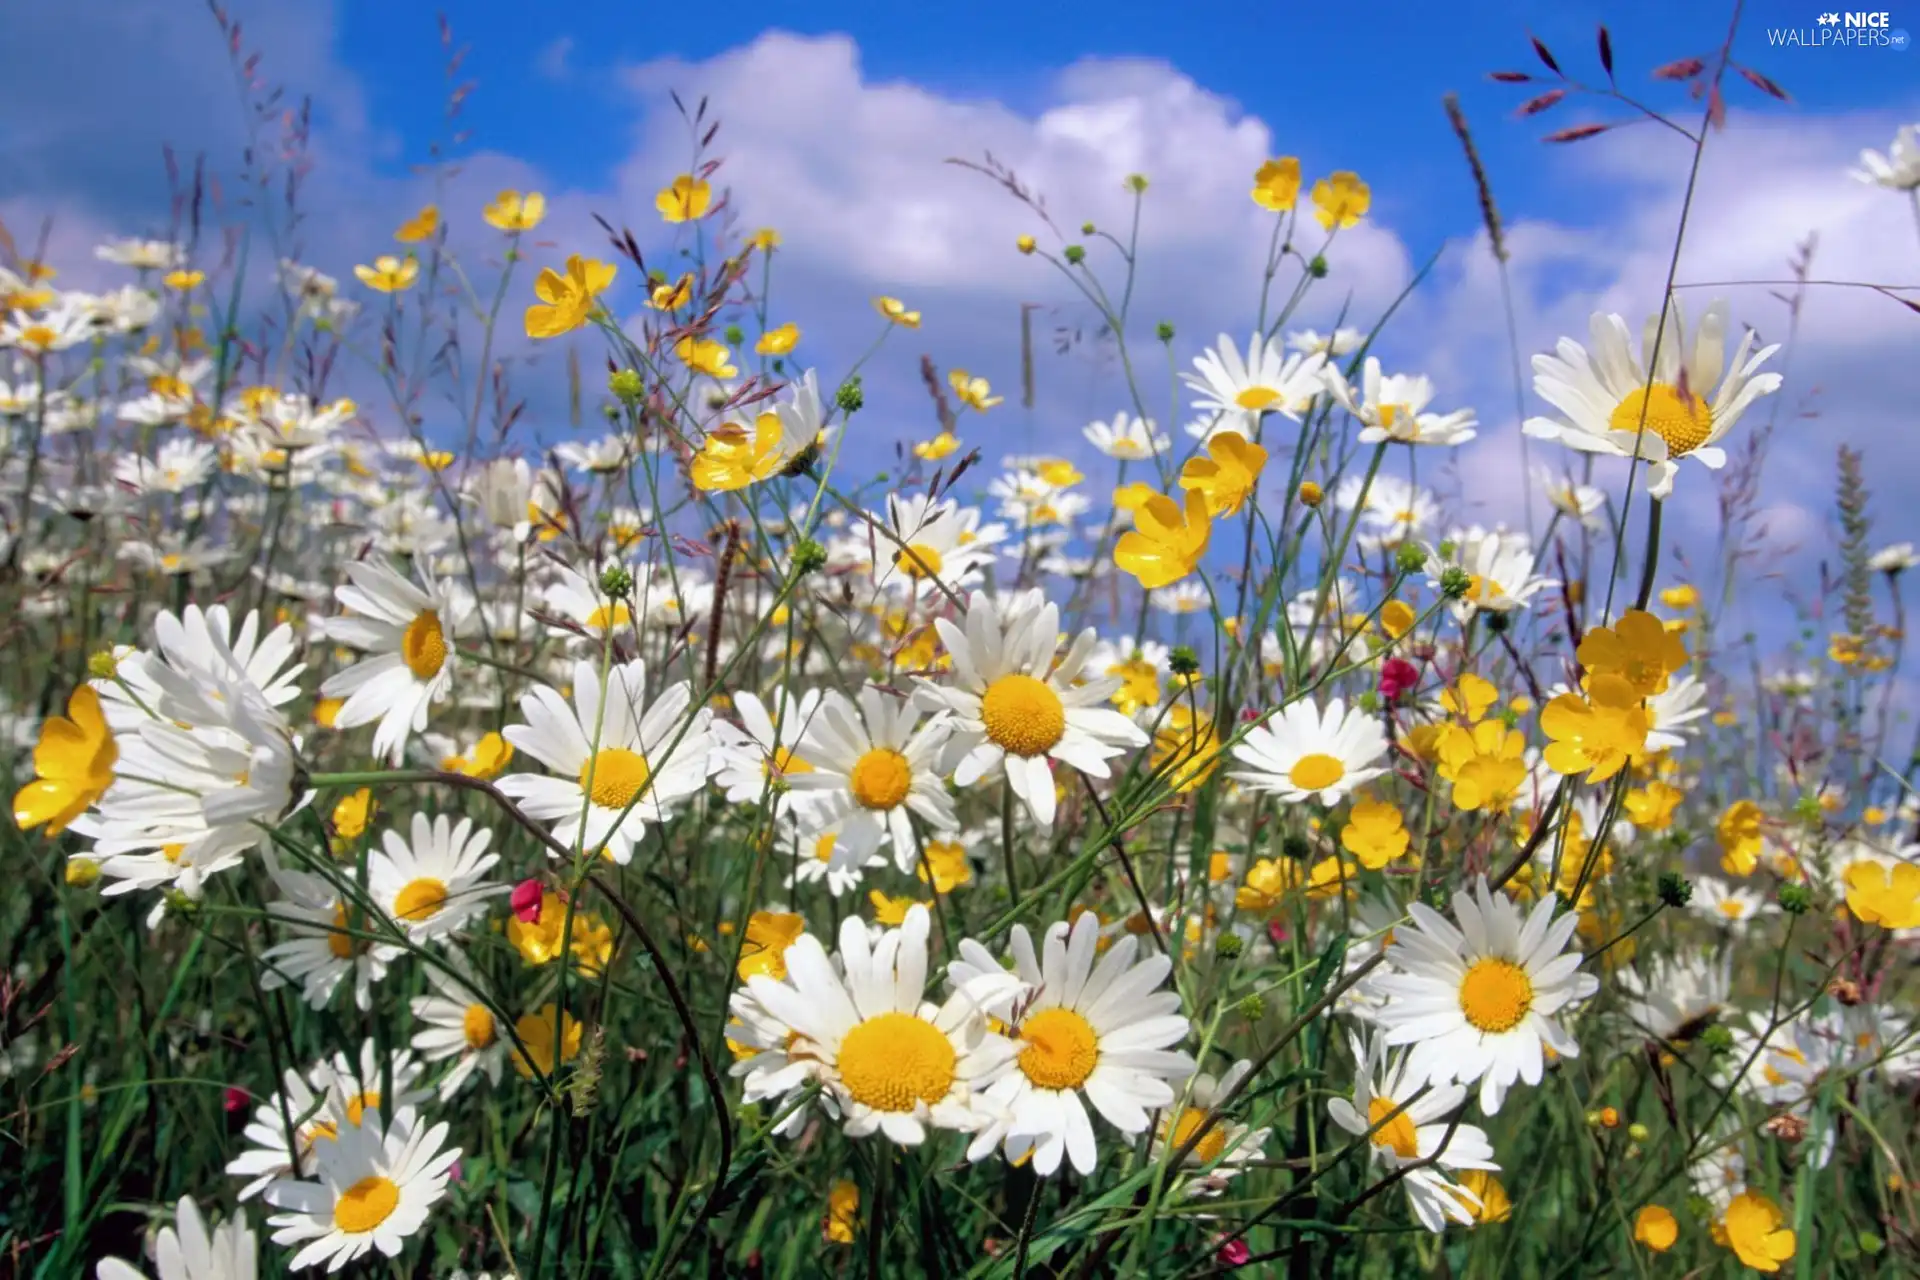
x=684, y=199
x=551, y=1038
x=514, y=211
x=1656, y=1228
x=1186, y=749
x=1375, y=834
x=1228, y=475
x=539, y=941
x=946, y=862
x=1276, y=184
x=1164, y=545
x=1596, y=734
x=1131, y=497
x=1267, y=883
x=843, y=1212
x=889, y=911
x=388, y=274
x=734, y=456
x=671, y=297
x=766, y=240
x=1754, y=1231
x=1025, y=244
x=778, y=341
x=1397, y=618
x=1684, y=596
x=488, y=758
x=72, y=764
x=1651, y=807
x=1888, y=896
x=704, y=355
x=975, y=393
x=1470, y=696
x=769, y=934
x=1341, y=200
x=942, y=445
x=1486, y=764
x=1738, y=832
x=183, y=279
x=352, y=813
x=1638, y=648
x=568, y=300
x=420, y=226
x=896, y=311
x=1495, y=1204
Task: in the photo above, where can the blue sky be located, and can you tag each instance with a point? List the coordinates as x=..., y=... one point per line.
x=835, y=132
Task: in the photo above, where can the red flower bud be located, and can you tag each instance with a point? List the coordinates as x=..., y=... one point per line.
x=526, y=901
x=236, y=1099
x=1397, y=676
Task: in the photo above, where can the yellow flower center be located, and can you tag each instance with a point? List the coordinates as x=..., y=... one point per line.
x=1257, y=398
x=342, y=944
x=1061, y=1051
x=420, y=899
x=358, y=1104
x=607, y=617
x=1211, y=1144
x=1732, y=909
x=613, y=776
x=173, y=852
x=365, y=1205
x=477, y=1026
x=1495, y=995
x=784, y=763
x=1684, y=423
x=424, y=646
x=1023, y=715
x=1397, y=1133
x=823, y=847
x=918, y=560
x=880, y=778
x=896, y=1061
x=1316, y=771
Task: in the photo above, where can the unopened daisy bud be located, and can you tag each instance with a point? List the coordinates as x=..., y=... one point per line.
x=1675, y=889
x=1183, y=661
x=1639, y=1132
x=627, y=385
x=1164, y=331
x=102, y=665
x=616, y=580
x=1229, y=946
x=1075, y=254
x=1311, y=494
x=1498, y=621
x=1795, y=899
x=808, y=557
x=734, y=335
x=850, y=397
x=1717, y=1039
x=1593, y=1119
x=1454, y=582
x=1086, y=228
x=1252, y=1007
x=1136, y=182
x=82, y=872
x=1410, y=557
x=1318, y=267
x=1296, y=846
x=1870, y=1243
x=1367, y=700
x=1025, y=244
x=178, y=902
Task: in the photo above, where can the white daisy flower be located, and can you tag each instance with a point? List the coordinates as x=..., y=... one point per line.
x=1672, y=711
x=1082, y=1030
x=1896, y=557
x=409, y=630
x=188, y=1251
x=1181, y=599
x=1394, y=408
x=624, y=765
x=1680, y=995
x=1014, y=709
x=812, y=859
x=1730, y=906
x=773, y=1062
x=375, y=1185
x=1127, y=439
x=142, y=255
x=1304, y=753
x=1340, y=342
x=1236, y=392
x=1499, y=568
x=944, y=545
x=1477, y=1002
x=579, y=599
x=890, y=1060
x=458, y=1027
x=763, y=750
x=319, y=945
x=434, y=883
x=1420, y=1131
x=1583, y=502
x=1691, y=403
x=268, y=1154
x=872, y=768
x=1225, y=1148
x=176, y=466
x=1899, y=169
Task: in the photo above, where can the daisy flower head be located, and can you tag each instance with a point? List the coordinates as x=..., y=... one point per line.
x=432, y=882
x=1476, y=1002
x=1412, y=1127
x=1226, y=1146
x=1126, y=438
x=811, y=853
x=1015, y=710
x=408, y=630
x=375, y=1184
x=1499, y=566
x=188, y=1251
x=1083, y=1032
x=874, y=765
x=1234, y=392
x=1685, y=394
x=1678, y=996
x=1394, y=408
x=457, y=1026
x=324, y=940
x=763, y=750
x=890, y=1060
x=934, y=544
x=1732, y=907
x=1307, y=753
x=1898, y=169
x=1583, y=502
x=623, y=764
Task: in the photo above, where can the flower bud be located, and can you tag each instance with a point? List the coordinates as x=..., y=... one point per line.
x=627, y=385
